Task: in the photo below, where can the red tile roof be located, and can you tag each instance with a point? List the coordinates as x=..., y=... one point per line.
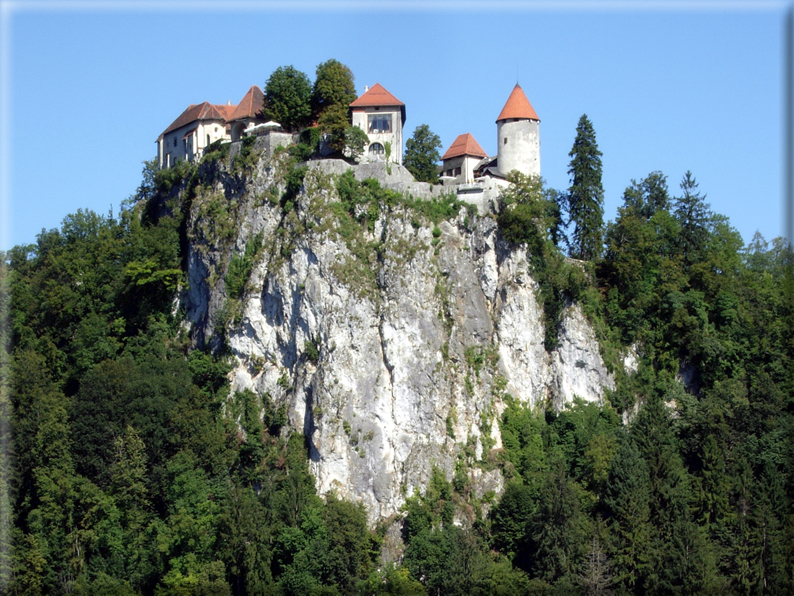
x=518, y=106
x=376, y=96
x=250, y=105
x=464, y=145
x=202, y=111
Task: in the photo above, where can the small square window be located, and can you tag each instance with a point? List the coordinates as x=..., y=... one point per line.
x=505, y=141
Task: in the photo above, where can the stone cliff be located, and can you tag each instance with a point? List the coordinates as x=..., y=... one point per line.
x=393, y=345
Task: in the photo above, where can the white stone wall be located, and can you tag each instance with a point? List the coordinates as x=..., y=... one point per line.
x=168, y=154
x=466, y=163
x=395, y=137
x=522, y=150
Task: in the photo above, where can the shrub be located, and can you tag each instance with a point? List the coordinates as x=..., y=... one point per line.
x=311, y=351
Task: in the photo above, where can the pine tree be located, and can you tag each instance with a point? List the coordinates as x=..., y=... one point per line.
x=586, y=195
x=627, y=499
x=693, y=214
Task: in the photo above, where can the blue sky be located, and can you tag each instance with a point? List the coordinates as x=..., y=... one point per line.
x=675, y=87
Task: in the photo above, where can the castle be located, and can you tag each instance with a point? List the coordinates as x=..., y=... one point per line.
x=465, y=165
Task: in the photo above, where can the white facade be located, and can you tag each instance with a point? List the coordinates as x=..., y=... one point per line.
x=383, y=124
x=461, y=168
x=518, y=146
x=188, y=142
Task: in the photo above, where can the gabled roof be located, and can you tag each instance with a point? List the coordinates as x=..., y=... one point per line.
x=465, y=144
x=202, y=111
x=250, y=105
x=376, y=96
x=518, y=106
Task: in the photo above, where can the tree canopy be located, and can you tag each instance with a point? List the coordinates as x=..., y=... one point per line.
x=421, y=154
x=138, y=471
x=288, y=95
x=334, y=85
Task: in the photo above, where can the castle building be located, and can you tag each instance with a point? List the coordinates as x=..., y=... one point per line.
x=382, y=116
x=189, y=135
x=247, y=114
x=518, y=136
x=517, y=140
x=461, y=159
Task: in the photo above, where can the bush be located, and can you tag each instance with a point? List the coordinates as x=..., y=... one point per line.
x=311, y=351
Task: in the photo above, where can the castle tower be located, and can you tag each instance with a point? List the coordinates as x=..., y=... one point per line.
x=518, y=136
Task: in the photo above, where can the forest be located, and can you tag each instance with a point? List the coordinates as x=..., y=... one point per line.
x=125, y=473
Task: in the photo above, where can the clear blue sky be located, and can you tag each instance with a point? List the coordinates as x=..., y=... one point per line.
x=87, y=91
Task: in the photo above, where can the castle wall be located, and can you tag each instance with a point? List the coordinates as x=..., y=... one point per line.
x=361, y=118
x=519, y=146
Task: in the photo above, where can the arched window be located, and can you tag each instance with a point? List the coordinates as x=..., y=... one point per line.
x=377, y=151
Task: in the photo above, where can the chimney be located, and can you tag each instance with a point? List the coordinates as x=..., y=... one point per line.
x=366, y=88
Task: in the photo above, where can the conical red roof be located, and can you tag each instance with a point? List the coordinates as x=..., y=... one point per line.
x=465, y=144
x=518, y=106
x=376, y=96
x=250, y=105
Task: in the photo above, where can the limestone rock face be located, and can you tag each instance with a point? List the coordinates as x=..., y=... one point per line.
x=390, y=363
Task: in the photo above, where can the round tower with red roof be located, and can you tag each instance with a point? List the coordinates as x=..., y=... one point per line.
x=518, y=136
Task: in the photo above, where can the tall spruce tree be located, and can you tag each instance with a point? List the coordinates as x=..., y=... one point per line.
x=693, y=213
x=585, y=198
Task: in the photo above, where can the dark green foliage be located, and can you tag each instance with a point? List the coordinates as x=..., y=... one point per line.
x=333, y=86
x=356, y=141
x=333, y=92
x=311, y=351
x=240, y=267
x=529, y=214
x=648, y=196
x=585, y=198
x=693, y=216
x=288, y=95
x=136, y=471
x=247, y=157
x=421, y=154
x=217, y=150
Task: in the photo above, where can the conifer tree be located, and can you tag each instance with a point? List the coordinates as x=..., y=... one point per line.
x=585, y=198
x=693, y=214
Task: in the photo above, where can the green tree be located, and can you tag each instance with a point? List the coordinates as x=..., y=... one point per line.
x=585, y=198
x=333, y=86
x=628, y=503
x=333, y=122
x=693, y=214
x=648, y=196
x=288, y=95
x=421, y=154
x=355, y=142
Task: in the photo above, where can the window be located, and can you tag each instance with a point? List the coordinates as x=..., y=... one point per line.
x=376, y=150
x=208, y=138
x=174, y=140
x=379, y=123
x=505, y=141
x=457, y=171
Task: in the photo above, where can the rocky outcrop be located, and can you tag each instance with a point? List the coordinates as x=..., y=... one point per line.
x=393, y=361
